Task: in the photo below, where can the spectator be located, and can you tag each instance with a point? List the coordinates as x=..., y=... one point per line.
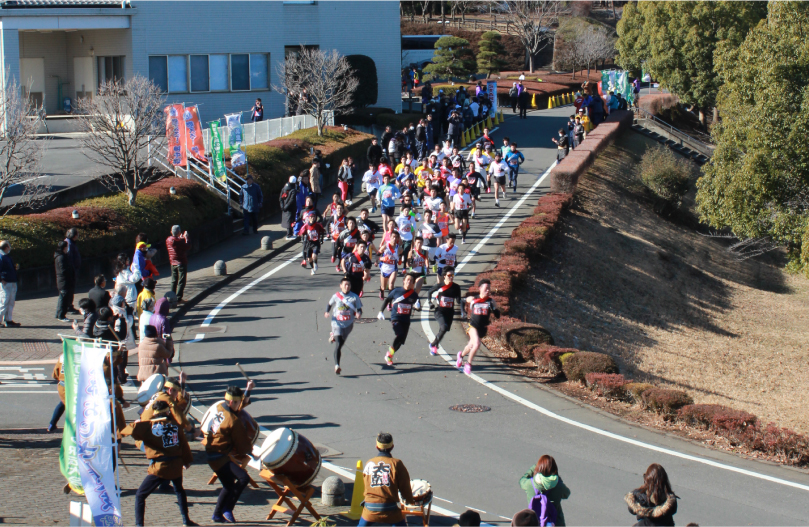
x=65, y=280
x=314, y=180
x=8, y=291
x=289, y=206
x=386, y=137
x=138, y=266
x=374, y=152
x=257, y=112
x=562, y=145
x=148, y=292
x=545, y=477
x=654, y=501
x=522, y=77
x=251, y=199
x=102, y=329
x=525, y=518
x=178, y=245
x=126, y=278
x=99, y=295
x=512, y=94
x=426, y=95
x=478, y=89
x=88, y=309
x=147, y=310
x=343, y=175
x=153, y=356
x=160, y=318
x=73, y=255
x=454, y=129
x=469, y=519
x=123, y=325
x=385, y=478
x=475, y=107
x=524, y=101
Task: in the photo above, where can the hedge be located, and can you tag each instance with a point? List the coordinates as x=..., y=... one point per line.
x=607, y=384
x=664, y=400
x=548, y=358
x=108, y=223
x=716, y=417
x=584, y=362
x=636, y=389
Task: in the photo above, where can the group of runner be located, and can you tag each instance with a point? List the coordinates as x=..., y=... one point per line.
x=434, y=195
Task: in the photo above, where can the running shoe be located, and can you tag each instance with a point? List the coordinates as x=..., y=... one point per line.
x=331, y=337
x=463, y=240
x=373, y=209
x=332, y=259
x=417, y=305
x=459, y=362
x=303, y=263
x=435, y=268
x=337, y=369
x=389, y=357
x=497, y=203
x=228, y=515
x=360, y=295
x=314, y=268
x=473, y=214
x=312, y=272
x=467, y=369
x=381, y=297
x=433, y=350
x=337, y=268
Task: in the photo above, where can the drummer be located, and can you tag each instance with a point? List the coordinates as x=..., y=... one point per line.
x=174, y=395
x=228, y=437
x=385, y=478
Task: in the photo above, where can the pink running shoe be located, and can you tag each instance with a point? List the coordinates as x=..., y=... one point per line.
x=389, y=358
x=467, y=369
x=459, y=362
x=433, y=350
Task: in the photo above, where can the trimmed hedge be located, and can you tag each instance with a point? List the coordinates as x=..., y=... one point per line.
x=716, y=417
x=584, y=362
x=636, y=389
x=522, y=337
x=607, y=384
x=547, y=358
x=664, y=400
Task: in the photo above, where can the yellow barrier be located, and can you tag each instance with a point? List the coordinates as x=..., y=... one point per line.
x=358, y=496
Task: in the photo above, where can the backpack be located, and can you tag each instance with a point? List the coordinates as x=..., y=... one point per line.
x=544, y=509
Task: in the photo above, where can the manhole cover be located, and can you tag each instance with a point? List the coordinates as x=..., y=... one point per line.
x=469, y=408
x=365, y=320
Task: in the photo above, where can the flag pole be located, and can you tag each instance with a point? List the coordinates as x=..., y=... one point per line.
x=114, y=434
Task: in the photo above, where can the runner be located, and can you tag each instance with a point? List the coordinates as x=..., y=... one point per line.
x=388, y=194
x=446, y=254
x=355, y=265
x=475, y=180
x=370, y=248
x=402, y=301
x=344, y=307
x=433, y=202
x=431, y=234
x=481, y=162
x=312, y=234
x=443, y=219
x=461, y=202
x=348, y=238
x=388, y=264
x=372, y=181
x=506, y=148
x=457, y=159
x=364, y=223
x=479, y=310
x=406, y=224
x=498, y=170
x=444, y=297
x=417, y=262
x=336, y=226
x=514, y=159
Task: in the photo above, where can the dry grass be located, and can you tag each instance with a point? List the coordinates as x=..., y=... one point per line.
x=670, y=305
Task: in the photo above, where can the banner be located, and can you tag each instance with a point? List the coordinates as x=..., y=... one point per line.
x=491, y=89
x=617, y=82
x=195, y=142
x=68, y=461
x=175, y=134
x=217, y=152
x=237, y=157
x=94, y=444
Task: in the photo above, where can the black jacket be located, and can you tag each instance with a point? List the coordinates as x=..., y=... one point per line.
x=374, y=152
x=288, y=196
x=641, y=507
x=421, y=133
x=86, y=329
x=523, y=100
x=65, y=274
x=101, y=297
x=385, y=139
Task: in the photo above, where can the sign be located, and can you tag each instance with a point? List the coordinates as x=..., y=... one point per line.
x=195, y=142
x=217, y=152
x=94, y=441
x=491, y=89
x=237, y=157
x=68, y=461
x=175, y=134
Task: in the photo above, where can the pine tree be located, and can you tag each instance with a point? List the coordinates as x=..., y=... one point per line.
x=452, y=58
x=491, y=51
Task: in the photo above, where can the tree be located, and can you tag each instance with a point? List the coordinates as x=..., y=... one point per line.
x=120, y=124
x=452, y=58
x=532, y=20
x=678, y=41
x=20, y=150
x=757, y=183
x=328, y=78
x=367, y=90
x=491, y=53
x=598, y=43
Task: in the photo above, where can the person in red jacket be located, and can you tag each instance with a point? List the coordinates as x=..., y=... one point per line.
x=177, y=245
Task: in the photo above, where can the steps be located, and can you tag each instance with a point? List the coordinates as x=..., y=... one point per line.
x=678, y=146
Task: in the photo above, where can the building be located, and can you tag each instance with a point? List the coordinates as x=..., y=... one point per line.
x=219, y=55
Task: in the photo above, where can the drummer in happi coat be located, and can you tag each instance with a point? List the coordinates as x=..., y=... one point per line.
x=385, y=478
x=173, y=395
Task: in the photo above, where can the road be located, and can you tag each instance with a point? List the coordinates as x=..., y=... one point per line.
x=271, y=322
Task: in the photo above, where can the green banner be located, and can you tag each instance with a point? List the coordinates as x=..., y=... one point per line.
x=68, y=459
x=217, y=152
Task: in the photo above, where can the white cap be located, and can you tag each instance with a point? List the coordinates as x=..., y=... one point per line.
x=293, y=179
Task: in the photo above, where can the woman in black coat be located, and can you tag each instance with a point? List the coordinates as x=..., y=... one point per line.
x=654, y=502
x=65, y=281
x=289, y=206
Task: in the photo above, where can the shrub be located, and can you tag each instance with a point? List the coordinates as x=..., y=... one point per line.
x=665, y=174
x=607, y=384
x=654, y=103
x=792, y=447
x=664, y=400
x=564, y=357
x=584, y=362
x=517, y=266
x=365, y=70
x=548, y=358
x=636, y=389
x=522, y=337
x=498, y=325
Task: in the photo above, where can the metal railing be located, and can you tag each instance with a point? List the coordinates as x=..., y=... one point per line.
x=676, y=134
x=263, y=131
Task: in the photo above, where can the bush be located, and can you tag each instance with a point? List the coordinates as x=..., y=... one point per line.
x=664, y=400
x=585, y=362
x=564, y=357
x=792, y=447
x=548, y=358
x=665, y=174
x=365, y=70
x=516, y=265
x=607, y=384
x=522, y=337
x=655, y=102
x=636, y=389
x=716, y=417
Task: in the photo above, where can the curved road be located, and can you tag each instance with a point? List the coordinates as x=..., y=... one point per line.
x=272, y=323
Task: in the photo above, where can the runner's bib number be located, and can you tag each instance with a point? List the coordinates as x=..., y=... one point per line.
x=403, y=309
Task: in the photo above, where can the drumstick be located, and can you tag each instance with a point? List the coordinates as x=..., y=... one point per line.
x=243, y=372
x=246, y=393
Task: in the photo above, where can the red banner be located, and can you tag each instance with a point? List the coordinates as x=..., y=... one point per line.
x=195, y=143
x=175, y=134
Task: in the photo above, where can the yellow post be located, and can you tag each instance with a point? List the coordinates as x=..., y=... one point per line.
x=502, y=119
x=497, y=118
x=463, y=139
x=534, y=101
x=358, y=496
x=550, y=103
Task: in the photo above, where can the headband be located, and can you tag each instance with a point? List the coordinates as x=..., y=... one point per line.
x=169, y=384
x=229, y=397
x=384, y=446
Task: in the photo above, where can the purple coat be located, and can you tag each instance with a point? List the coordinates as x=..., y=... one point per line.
x=160, y=319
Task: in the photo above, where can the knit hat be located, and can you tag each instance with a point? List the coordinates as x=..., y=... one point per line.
x=525, y=517
x=293, y=179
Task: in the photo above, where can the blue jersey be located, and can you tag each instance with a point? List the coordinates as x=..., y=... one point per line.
x=513, y=159
x=388, y=194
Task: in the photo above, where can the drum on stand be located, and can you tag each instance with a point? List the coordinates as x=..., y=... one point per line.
x=209, y=417
x=288, y=453
x=250, y=426
x=151, y=386
x=422, y=493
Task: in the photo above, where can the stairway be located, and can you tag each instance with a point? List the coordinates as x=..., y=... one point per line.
x=667, y=135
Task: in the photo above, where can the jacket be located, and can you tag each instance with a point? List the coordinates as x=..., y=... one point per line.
x=175, y=406
x=454, y=126
x=99, y=296
x=128, y=278
x=102, y=330
x=314, y=180
x=88, y=325
x=230, y=437
x=250, y=198
x=385, y=477
x=642, y=507
x=165, y=446
x=153, y=358
x=178, y=250
x=160, y=318
x=59, y=375
x=73, y=254
x=138, y=267
x=65, y=274
x=342, y=174
x=555, y=495
x=145, y=294
x=8, y=271
x=287, y=199
x=374, y=152
x=385, y=140
x=421, y=133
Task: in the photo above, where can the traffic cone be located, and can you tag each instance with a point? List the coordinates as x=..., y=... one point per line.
x=534, y=101
x=489, y=122
x=463, y=139
x=570, y=98
x=550, y=103
x=358, y=496
x=497, y=118
x=476, y=131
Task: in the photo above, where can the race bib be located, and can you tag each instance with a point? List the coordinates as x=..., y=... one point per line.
x=313, y=235
x=446, y=302
x=480, y=309
x=403, y=309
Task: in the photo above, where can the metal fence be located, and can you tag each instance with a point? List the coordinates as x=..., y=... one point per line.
x=261, y=132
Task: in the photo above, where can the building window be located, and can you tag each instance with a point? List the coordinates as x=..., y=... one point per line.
x=159, y=72
x=259, y=71
x=178, y=73
x=240, y=72
x=199, y=73
x=110, y=69
x=218, y=65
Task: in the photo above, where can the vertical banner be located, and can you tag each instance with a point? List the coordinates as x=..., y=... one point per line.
x=491, y=89
x=195, y=143
x=68, y=461
x=217, y=152
x=237, y=157
x=175, y=134
x=94, y=438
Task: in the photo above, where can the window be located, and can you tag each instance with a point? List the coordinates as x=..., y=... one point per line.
x=110, y=69
x=259, y=71
x=159, y=72
x=240, y=72
x=199, y=73
x=218, y=72
x=178, y=73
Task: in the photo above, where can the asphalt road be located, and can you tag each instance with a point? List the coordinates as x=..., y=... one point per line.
x=271, y=322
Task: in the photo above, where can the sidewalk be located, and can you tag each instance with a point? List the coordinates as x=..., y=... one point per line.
x=37, y=340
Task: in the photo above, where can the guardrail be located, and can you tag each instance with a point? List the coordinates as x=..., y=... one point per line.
x=676, y=134
x=263, y=131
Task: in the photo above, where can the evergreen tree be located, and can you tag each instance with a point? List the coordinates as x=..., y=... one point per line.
x=491, y=52
x=452, y=58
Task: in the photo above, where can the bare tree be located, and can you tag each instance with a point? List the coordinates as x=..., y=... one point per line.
x=120, y=124
x=532, y=21
x=425, y=7
x=462, y=7
x=20, y=150
x=597, y=43
x=327, y=78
